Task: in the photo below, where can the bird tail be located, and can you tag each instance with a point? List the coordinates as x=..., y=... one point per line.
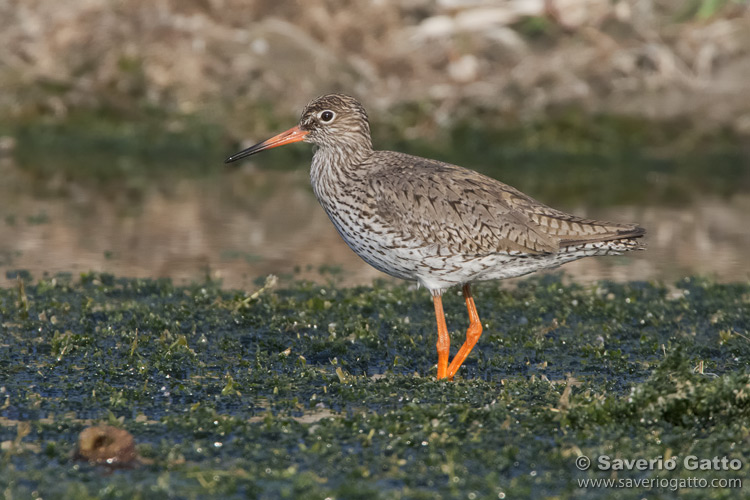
x=629, y=235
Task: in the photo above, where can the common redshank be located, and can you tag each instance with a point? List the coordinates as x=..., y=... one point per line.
x=432, y=222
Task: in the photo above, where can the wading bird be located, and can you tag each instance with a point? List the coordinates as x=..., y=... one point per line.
x=431, y=222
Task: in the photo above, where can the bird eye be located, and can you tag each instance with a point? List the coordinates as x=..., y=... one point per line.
x=327, y=116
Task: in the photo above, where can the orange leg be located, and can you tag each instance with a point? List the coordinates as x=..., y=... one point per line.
x=472, y=335
x=444, y=341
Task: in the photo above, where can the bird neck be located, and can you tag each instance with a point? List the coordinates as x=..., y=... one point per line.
x=338, y=160
x=335, y=172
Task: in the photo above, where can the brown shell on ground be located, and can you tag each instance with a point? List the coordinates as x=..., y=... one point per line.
x=107, y=445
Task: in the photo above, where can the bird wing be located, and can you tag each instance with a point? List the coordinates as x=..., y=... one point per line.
x=435, y=203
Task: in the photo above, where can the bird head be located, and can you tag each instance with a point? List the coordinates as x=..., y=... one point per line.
x=333, y=121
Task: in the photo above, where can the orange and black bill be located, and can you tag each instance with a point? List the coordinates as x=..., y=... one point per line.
x=294, y=134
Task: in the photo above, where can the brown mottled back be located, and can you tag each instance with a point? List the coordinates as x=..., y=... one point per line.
x=474, y=214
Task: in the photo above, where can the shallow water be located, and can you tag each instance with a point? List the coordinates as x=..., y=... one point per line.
x=241, y=224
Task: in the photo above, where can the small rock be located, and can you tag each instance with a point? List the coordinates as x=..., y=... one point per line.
x=435, y=27
x=464, y=69
x=479, y=20
x=573, y=14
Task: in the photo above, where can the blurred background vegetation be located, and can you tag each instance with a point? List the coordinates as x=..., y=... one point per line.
x=419, y=65
x=112, y=107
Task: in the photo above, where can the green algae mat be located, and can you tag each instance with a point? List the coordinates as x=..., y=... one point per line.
x=634, y=390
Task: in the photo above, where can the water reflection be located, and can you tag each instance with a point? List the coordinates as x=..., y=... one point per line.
x=238, y=225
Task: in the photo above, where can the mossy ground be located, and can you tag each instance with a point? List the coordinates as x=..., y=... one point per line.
x=317, y=391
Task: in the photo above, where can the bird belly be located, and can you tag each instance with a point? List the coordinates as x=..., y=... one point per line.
x=373, y=243
x=439, y=272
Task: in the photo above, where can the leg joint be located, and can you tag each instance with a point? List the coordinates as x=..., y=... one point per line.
x=474, y=330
